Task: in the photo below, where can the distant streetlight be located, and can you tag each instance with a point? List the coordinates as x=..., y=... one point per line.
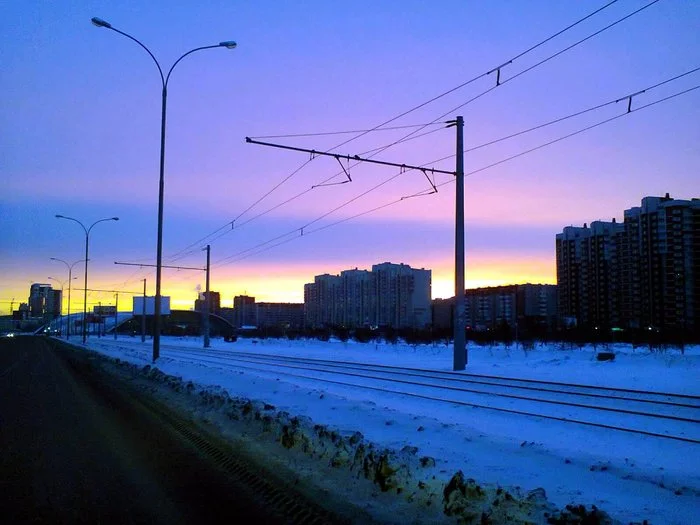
x=70, y=279
x=87, y=241
x=60, y=312
x=229, y=44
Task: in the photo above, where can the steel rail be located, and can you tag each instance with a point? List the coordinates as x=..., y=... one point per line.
x=449, y=376
x=495, y=394
x=462, y=403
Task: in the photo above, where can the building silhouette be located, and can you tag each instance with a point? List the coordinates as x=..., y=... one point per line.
x=513, y=307
x=244, y=311
x=587, y=274
x=247, y=313
x=44, y=301
x=390, y=295
x=214, y=302
x=642, y=274
x=279, y=315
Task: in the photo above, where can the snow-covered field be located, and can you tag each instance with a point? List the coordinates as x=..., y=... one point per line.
x=631, y=476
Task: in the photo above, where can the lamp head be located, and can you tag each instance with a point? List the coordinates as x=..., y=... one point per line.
x=115, y=218
x=229, y=44
x=60, y=217
x=100, y=23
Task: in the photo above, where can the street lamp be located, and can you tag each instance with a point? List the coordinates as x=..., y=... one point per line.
x=229, y=44
x=61, y=309
x=70, y=279
x=60, y=313
x=87, y=239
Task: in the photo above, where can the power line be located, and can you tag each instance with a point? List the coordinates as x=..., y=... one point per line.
x=540, y=126
x=537, y=64
x=225, y=228
x=566, y=117
x=476, y=97
x=244, y=254
x=326, y=133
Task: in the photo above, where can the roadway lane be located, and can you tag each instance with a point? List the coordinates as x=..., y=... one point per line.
x=76, y=446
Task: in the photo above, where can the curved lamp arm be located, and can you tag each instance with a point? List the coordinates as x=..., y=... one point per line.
x=101, y=220
x=228, y=44
x=74, y=220
x=101, y=23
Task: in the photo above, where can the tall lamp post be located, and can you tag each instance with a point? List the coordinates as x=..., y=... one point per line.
x=230, y=44
x=60, y=313
x=70, y=279
x=87, y=241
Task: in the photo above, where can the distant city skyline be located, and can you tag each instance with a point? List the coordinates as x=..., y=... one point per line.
x=81, y=114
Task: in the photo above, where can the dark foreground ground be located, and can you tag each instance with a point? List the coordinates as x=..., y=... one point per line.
x=79, y=446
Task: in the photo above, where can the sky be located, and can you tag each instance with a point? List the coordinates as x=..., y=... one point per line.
x=80, y=136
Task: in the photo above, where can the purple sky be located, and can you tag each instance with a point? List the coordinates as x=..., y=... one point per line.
x=80, y=127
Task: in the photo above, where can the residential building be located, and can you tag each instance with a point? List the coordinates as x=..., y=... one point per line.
x=641, y=274
x=325, y=301
x=311, y=311
x=214, y=302
x=359, y=297
x=390, y=295
x=280, y=315
x=516, y=306
x=44, y=301
x=403, y=296
x=244, y=313
x=586, y=276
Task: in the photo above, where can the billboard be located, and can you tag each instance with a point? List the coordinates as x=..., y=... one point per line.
x=151, y=305
x=106, y=310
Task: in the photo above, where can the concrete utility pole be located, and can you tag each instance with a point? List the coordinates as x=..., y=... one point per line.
x=207, y=303
x=460, y=349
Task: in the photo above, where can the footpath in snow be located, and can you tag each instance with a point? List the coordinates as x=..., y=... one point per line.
x=630, y=476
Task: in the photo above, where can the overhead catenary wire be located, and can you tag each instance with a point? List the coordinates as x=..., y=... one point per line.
x=265, y=246
x=327, y=133
x=229, y=226
x=528, y=69
x=540, y=126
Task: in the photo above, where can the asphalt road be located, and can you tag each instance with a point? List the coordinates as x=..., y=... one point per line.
x=76, y=446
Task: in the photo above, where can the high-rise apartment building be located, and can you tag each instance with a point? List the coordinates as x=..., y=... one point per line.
x=391, y=295
x=586, y=274
x=515, y=305
x=44, y=301
x=403, y=295
x=328, y=306
x=280, y=315
x=642, y=274
x=214, y=302
x=359, y=297
x=244, y=313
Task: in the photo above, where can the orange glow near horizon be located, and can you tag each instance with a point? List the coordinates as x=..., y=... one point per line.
x=273, y=283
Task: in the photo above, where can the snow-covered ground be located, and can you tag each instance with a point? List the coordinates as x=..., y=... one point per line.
x=633, y=477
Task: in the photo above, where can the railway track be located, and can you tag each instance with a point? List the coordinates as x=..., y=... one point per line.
x=659, y=414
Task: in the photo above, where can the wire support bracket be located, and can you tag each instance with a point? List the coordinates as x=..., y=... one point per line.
x=345, y=170
x=144, y=265
x=424, y=192
x=407, y=167
x=497, y=70
x=629, y=98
